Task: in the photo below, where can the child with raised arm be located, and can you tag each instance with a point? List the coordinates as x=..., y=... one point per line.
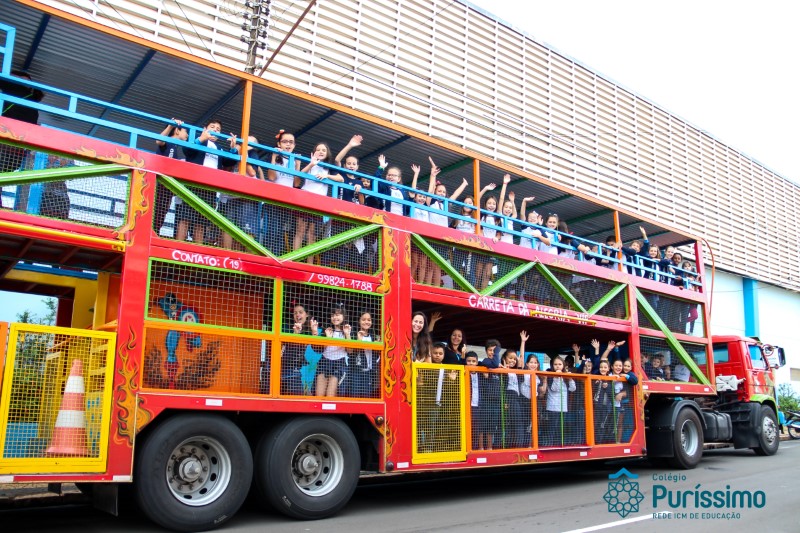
x=529, y=221
x=366, y=365
x=350, y=162
x=176, y=131
x=333, y=365
x=186, y=214
x=491, y=206
x=393, y=176
x=306, y=222
x=242, y=211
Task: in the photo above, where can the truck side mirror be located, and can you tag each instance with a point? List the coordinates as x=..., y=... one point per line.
x=775, y=356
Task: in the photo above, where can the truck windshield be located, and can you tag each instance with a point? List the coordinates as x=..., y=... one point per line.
x=757, y=358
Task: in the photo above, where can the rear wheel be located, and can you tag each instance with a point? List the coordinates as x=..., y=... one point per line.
x=193, y=472
x=768, y=438
x=308, y=468
x=794, y=432
x=687, y=440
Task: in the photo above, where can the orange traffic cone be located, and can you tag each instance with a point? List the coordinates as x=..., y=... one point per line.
x=69, y=433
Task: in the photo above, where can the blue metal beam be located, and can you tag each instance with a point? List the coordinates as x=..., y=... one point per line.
x=127, y=85
x=322, y=118
x=214, y=109
x=385, y=147
x=37, y=39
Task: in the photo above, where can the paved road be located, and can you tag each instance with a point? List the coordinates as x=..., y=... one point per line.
x=553, y=499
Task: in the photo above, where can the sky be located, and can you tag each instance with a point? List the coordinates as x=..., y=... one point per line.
x=728, y=68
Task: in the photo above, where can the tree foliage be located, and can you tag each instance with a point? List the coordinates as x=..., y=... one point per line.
x=788, y=399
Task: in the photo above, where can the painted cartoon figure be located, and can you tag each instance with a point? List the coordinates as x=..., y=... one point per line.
x=175, y=310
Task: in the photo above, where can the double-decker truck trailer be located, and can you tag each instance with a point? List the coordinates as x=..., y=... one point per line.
x=199, y=344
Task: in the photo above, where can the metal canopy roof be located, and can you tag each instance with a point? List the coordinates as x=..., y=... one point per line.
x=77, y=58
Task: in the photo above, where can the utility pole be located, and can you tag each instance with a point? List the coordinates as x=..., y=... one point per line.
x=255, y=25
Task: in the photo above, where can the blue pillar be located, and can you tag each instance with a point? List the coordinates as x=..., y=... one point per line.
x=750, y=297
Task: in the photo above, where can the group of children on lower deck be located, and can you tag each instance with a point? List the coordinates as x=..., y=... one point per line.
x=500, y=403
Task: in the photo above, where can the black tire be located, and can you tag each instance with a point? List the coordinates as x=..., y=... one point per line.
x=193, y=472
x=794, y=433
x=767, y=432
x=308, y=468
x=687, y=440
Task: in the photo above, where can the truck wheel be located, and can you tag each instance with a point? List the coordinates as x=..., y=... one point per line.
x=308, y=468
x=687, y=439
x=768, y=438
x=193, y=472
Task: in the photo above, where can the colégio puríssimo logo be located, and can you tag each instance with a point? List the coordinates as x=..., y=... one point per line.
x=623, y=495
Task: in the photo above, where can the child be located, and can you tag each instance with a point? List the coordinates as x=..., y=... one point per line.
x=511, y=422
x=173, y=151
x=557, y=404
x=419, y=261
x=462, y=259
x=293, y=356
x=604, y=418
x=242, y=211
x=635, y=251
x=490, y=395
x=622, y=390
x=364, y=371
x=532, y=219
x=445, y=426
x=333, y=364
x=627, y=425
x=438, y=217
x=350, y=163
x=490, y=207
x=393, y=176
x=549, y=238
x=471, y=360
x=183, y=212
x=527, y=393
x=306, y=222
x=276, y=219
x=653, y=369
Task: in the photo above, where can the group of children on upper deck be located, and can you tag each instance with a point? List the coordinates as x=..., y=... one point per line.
x=548, y=233
x=501, y=403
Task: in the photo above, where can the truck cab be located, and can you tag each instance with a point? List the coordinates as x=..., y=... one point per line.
x=750, y=364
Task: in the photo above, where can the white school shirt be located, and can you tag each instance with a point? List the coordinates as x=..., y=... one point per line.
x=282, y=178
x=525, y=386
x=334, y=353
x=466, y=227
x=617, y=389
x=317, y=187
x=513, y=384
x=489, y=232
x=421, y=214
x=439, y=219
x=394, y=207
x=557, y=394
x=552, y=249
x=530, y=241
x=509, y=225
x=368, y=353
x=475, y=396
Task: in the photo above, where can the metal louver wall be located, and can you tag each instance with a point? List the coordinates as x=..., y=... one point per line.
x=449, y=71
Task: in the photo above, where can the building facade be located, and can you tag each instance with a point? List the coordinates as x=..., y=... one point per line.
x=452, y=71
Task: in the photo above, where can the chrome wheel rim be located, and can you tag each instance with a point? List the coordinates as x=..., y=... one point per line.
x=317, y=465
x=690, y=438
x=198, y=471
x=769, y=429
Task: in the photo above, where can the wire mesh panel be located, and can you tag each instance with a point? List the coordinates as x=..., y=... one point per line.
x=534, y=287
x=330, y=368
x=55, y=400
x=202, y=295
x=98, y=201
x=588, y=291
x=557, y=425
x=360, y=254
x=609, y=418
x=190, y=361
x=661, y=363
x=438, y=410
x=679, y=316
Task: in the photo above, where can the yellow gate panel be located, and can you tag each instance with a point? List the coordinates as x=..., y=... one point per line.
x=438, y=414
x=56, y=400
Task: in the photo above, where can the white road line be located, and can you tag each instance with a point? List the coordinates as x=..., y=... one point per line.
x=612, y=524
